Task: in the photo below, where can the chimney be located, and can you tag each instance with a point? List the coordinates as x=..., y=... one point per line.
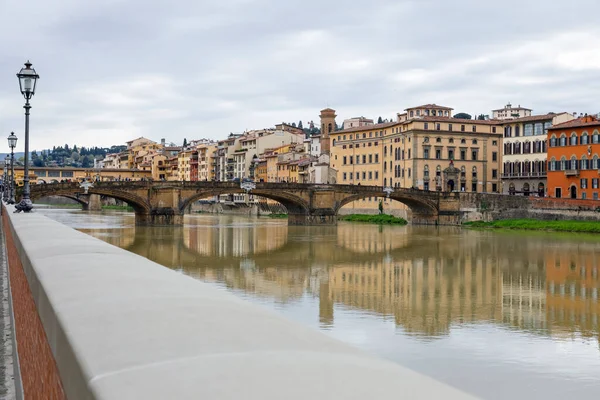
x=162, y=141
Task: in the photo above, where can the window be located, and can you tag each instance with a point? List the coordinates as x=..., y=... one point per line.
x=474, y=173
x=595, y=195
x=344, y=161
x=376, y=158
x=344, y=176
x=451, y=154
x=425, y=125
x=474, y=187
x=438, y=154
x=437, y=127
x=495, y=187
x=463, y=154
x=474, y=141
x=364, y=159
x=357, y=159
x=493, y=129
x=494, y=156
x=528, y=130
x=585, y=139
x=563, y=140
x=474, y=129
x=553, y=141
x=425, y=153
x=438, y=140
x=364, y=175
x=594, y=183
x=573, y=163
x=538, y=129
x=474, y=155
x=595, y=137
x=573, y=139
x=408, y=153
x=462, y=128
x=583, y=183
x=450, y=127
x=463, y=141
x=370, y=175
x=494, y=173
x=376, y=174
x=370, y=158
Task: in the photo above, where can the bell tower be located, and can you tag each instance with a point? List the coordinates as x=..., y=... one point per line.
x=327, y=126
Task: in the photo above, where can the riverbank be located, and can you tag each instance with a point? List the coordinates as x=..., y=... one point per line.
x=538, y=225
x=382, y=219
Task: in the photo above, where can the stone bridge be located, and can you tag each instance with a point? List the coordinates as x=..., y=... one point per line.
x=164, y=203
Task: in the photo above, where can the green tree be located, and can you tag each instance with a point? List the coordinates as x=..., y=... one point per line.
x=185, y=142
x=87, y=161
x=75, y=156
x=481, y=117
x=300, y=125
x=380, y=207
x=38, y=162
x=463, y=115
x=379, y=120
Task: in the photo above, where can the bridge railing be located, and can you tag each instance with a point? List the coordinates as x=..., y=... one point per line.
x=120, y=326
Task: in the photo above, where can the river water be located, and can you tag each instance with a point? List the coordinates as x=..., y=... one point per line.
x=497, y=314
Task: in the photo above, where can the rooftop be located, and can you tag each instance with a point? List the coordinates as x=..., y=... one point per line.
x=588, y=120
x=430, y=106
x=534, y=118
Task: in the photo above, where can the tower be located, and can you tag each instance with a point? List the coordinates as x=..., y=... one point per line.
x=327, y=126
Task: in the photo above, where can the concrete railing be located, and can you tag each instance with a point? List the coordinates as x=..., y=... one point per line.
x=122, y=327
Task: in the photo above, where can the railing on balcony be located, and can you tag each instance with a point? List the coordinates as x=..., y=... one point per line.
x=571, y=172
x=524, y=175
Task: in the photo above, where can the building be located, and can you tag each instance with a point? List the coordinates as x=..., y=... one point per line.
x=524, y=153
x=327, y=128
x=510, y=112
x=573, y=149
x=357, y=122
x=421, y=151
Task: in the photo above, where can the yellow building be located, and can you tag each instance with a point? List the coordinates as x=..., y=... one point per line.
x=159, y=167
x=43, y=175
x=261, y=172
x=183, y=165
x=425, y=149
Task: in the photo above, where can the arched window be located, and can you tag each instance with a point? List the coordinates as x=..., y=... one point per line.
x=474, y=172
x=438, y=140
x=585, y=139
x=426, y=172
x=552, y=165
x=334, y=142
x=329, y=128
x=474, y=141
x=563, y=163
x=573, y=139
x=595, y=137
x=553, y=140
x=385, y=151
x=573, y=163
x=595, y=162
x=584, y=163
x=463, y=141
x=438, y=171
x=563, y=140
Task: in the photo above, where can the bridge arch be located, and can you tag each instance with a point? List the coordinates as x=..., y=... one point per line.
x=293, y=203
x=417, y=204
x=71, y=190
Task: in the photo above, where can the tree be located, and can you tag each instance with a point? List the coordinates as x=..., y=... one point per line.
x=294, y=124
x=380, y=207
x=87, y=162
x=38, y=162
x=379, y=120
x=481, y=117
x=184, y=142
x=75, y=156
x=463, y=115
x=300, y=125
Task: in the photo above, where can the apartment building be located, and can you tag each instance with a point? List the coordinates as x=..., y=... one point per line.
x=525, y=152
x=573, y=168
x=510, y=112
x=425, y=149
x=357, y=122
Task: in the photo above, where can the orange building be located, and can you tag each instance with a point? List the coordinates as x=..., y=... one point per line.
x=573, y=152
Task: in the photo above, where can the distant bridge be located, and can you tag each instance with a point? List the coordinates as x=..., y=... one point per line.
x=164, y=203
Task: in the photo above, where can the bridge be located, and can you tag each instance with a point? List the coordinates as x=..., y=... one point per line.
x=164, y=203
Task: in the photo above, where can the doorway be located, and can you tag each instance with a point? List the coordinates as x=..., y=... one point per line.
x=451, y=185
x=558, y=193
x=573, y=192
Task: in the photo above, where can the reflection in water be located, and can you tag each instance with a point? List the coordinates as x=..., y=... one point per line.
x=432, y=283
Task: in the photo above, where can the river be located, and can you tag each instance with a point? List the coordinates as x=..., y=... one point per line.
x=497, y=314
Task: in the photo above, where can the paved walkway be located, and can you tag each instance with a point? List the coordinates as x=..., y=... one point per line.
x=7, y=385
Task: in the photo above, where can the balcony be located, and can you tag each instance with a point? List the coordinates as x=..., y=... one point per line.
x=524, y=175
x=571, y=172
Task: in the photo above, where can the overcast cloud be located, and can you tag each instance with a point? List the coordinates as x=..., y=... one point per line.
x=113, y=70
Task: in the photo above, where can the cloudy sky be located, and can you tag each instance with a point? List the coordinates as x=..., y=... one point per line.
x=113, y=70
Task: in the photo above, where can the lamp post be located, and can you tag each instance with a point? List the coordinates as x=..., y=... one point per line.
x=27, y=82
x=5, y=180
x=12, y=143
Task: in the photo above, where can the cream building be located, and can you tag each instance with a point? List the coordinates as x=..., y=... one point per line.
x=510, y=112
x=524, y=153
x=357, y=122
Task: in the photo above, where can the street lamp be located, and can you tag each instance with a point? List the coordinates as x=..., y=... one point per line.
x=27, y=82
x=12, y=143
x=5, y=179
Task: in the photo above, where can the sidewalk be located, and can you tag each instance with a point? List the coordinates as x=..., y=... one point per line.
x=7, y=386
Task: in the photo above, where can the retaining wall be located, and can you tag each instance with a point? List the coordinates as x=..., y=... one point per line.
x=103, y=323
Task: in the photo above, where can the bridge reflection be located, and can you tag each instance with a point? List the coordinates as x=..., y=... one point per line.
x=427, y=280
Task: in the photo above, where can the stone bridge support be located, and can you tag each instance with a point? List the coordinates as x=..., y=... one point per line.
x=91, y=202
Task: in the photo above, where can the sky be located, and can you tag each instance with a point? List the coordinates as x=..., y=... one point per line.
x=114, y=70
